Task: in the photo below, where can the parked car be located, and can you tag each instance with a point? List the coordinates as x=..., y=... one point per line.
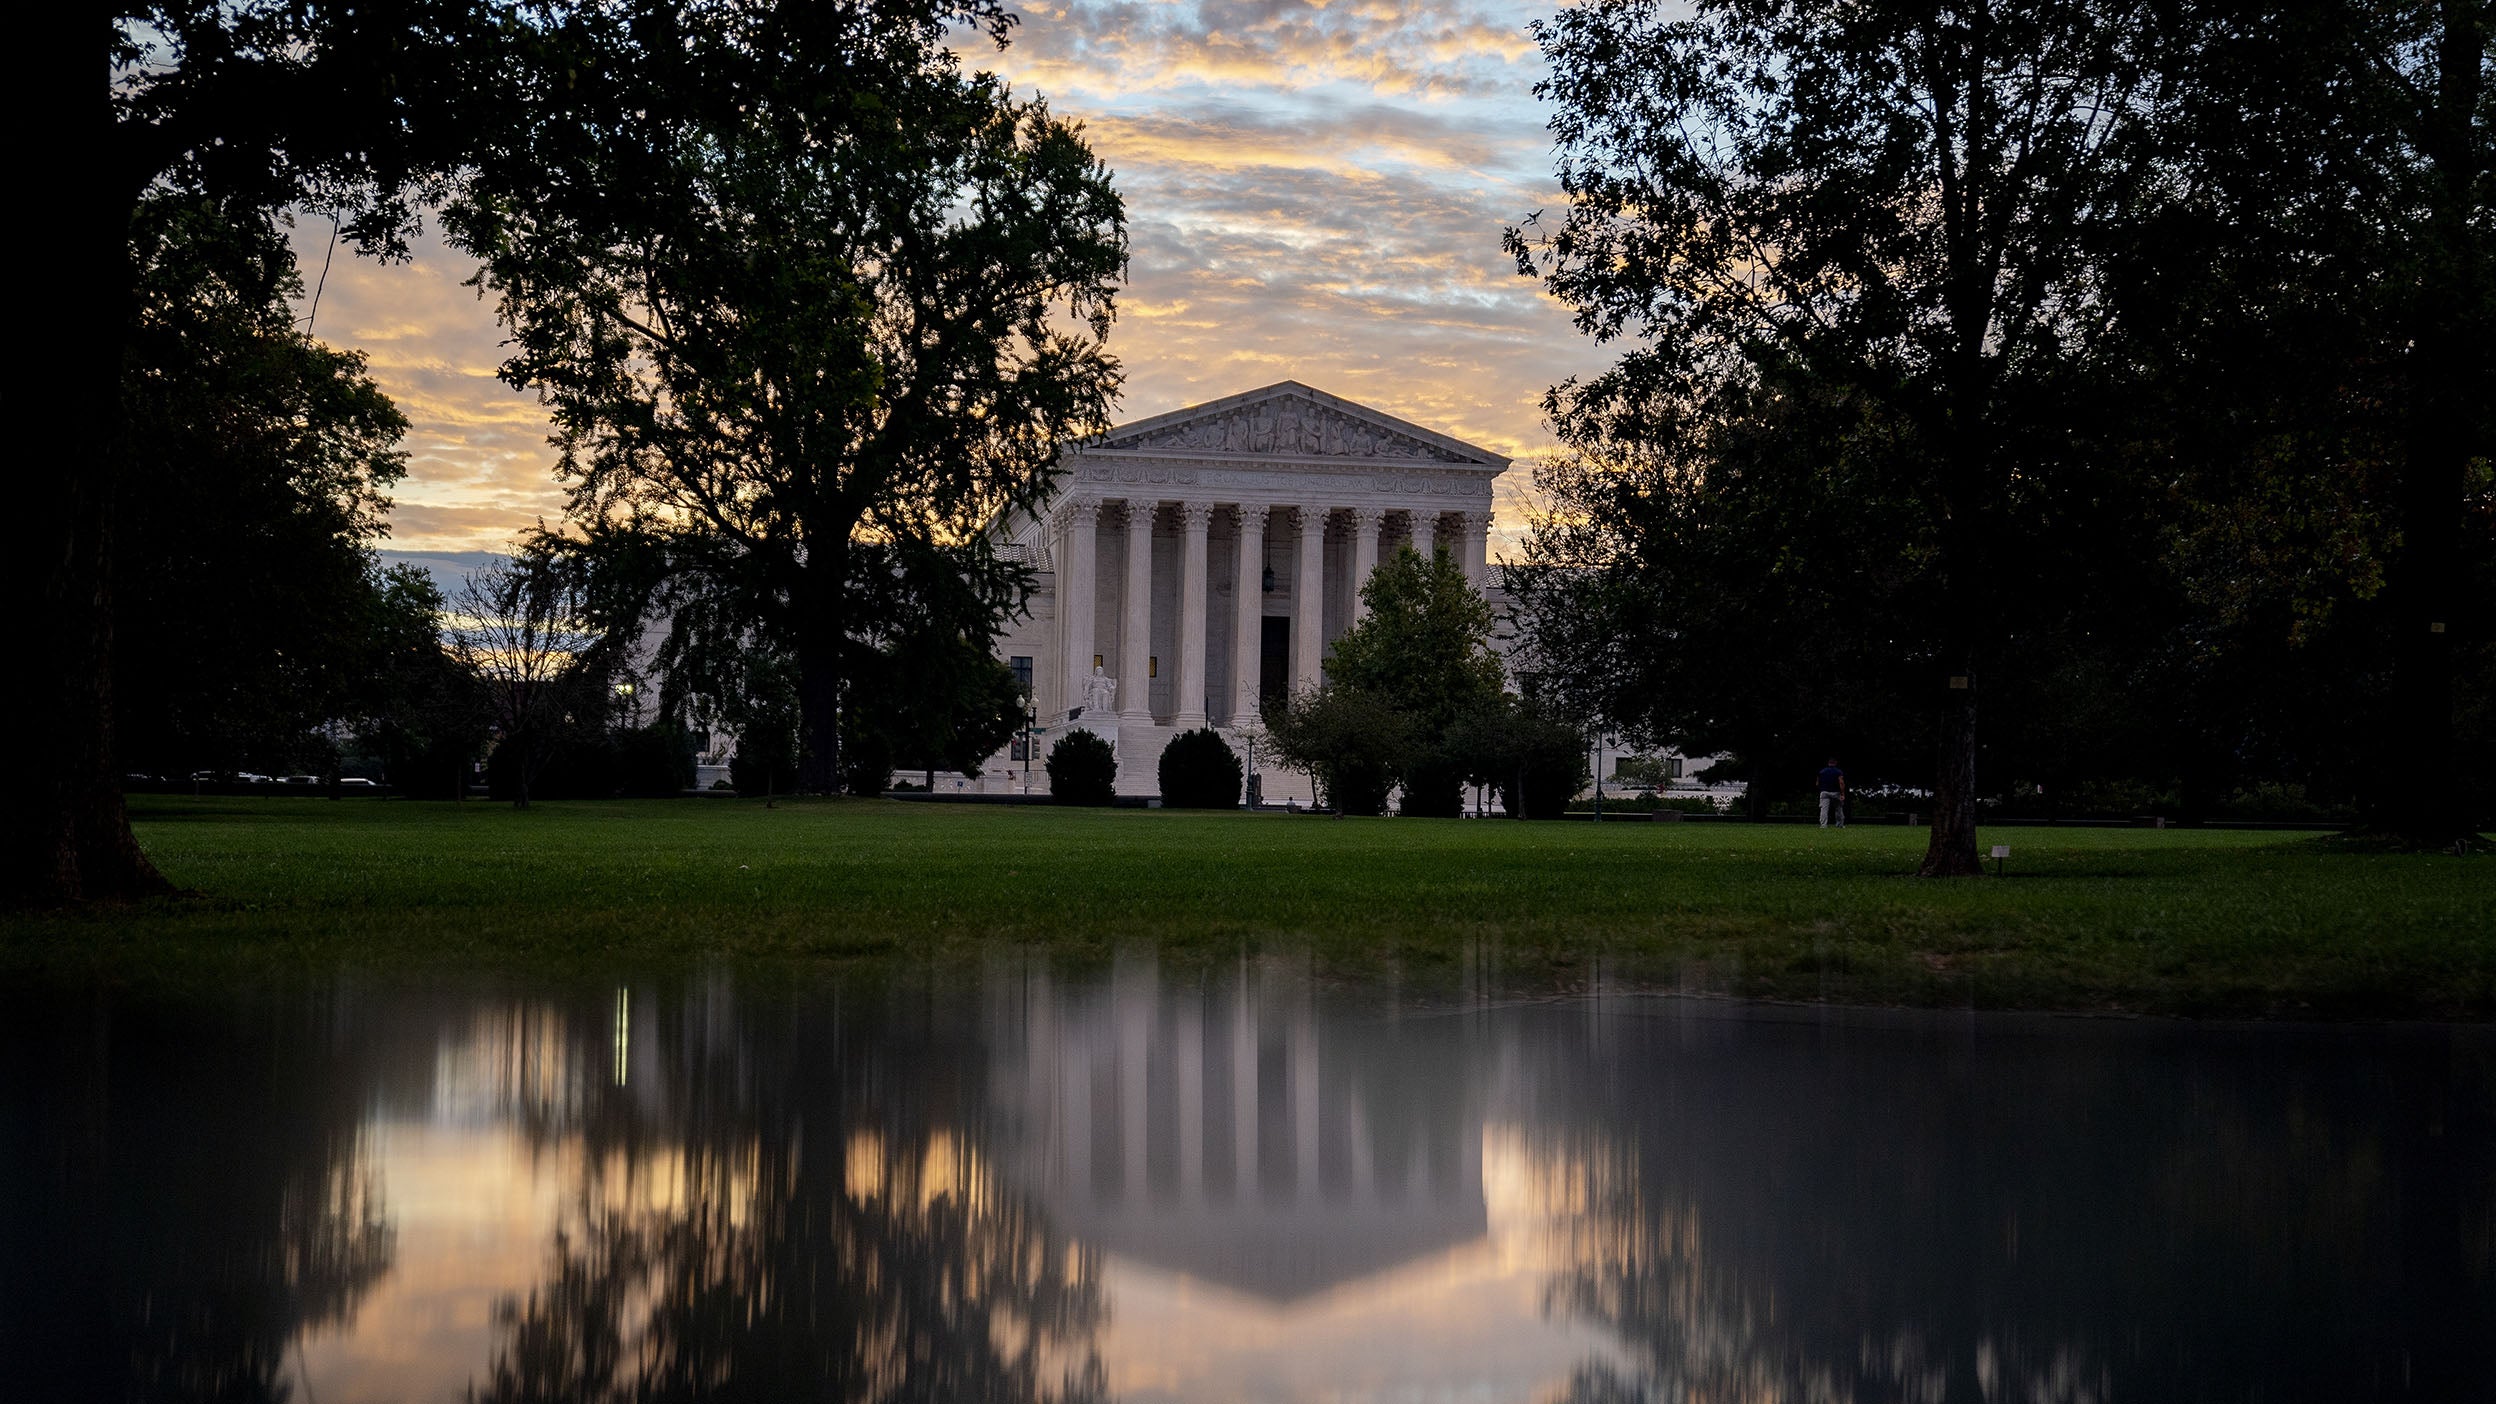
x=357, y=782
x=299, y=780
x=247, y=778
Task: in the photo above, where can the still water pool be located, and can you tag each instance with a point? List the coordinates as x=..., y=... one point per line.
x=1244, y=1183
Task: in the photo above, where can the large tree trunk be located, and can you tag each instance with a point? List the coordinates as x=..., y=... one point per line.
x=70, y=838
x=1966, y=447
x=68, y=834
x=822, y=634
x=2418, y=796
x=1965, y=581
x=1951, y=849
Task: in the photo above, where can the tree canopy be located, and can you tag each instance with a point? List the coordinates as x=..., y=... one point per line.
x=259, y=463
x=1912, y=207
x=2099, y=360
x=1398, y=685
x=251, y=108
x=806, y=301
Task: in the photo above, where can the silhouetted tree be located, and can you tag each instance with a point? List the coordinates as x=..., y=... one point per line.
x=797, y=290
x=252, y=610
x=1911, y=201
x=1746, y=587
x=1424, y=647
x=2346, y=151
x=422, y=713
x=252, y=108
x=1351, y=742
x=520, y=628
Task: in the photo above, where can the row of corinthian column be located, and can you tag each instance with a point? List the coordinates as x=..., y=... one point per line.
x=1077, y=522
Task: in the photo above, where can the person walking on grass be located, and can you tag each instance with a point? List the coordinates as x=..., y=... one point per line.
x=1832, y=793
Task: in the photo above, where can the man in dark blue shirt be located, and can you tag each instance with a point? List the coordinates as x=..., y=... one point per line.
x=1832, y=793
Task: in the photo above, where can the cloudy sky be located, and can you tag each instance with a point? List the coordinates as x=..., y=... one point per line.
x=1315, y=191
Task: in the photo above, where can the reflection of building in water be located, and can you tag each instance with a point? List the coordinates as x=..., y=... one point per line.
x=1229, y=1134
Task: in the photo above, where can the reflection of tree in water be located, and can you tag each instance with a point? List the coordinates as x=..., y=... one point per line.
x=1819, y=1213
x=186, y=1193
x=802, y=1213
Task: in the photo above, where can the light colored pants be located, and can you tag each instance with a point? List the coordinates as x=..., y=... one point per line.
x=1831, y=802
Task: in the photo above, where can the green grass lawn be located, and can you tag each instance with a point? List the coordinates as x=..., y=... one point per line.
x=2086, y=919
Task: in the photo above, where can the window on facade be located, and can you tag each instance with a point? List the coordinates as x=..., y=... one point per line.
x=1022, y=673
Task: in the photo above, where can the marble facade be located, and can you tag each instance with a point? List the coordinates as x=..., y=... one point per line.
x=1208, y=557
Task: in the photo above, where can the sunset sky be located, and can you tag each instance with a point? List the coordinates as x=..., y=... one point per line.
x=1315, y=191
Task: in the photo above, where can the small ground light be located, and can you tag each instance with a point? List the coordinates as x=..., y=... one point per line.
x=2000, y=852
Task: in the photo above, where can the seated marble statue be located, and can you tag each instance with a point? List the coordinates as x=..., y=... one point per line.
x=1100, y=691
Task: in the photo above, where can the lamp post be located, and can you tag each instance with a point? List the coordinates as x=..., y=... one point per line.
x=1031, y=740
x=1599, y=777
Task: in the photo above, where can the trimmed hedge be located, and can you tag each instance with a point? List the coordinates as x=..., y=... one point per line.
x=1199, y=770
x=1082, y=769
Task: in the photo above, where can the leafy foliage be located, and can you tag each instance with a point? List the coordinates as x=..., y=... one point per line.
x=1083, y=769
x=1199, y=770
x=1352, y=742
x=425, y=716
x=252, y=612
x=930, y=693
x=248, y=109
x=2341, y=487
x=1396, y=683
x=1425, y=649
x=522, y=629
x=761, y=709
x=1535, y=758
x=1912, y=206
x=809, y=304
x=1755, y=590
x=1425, y=644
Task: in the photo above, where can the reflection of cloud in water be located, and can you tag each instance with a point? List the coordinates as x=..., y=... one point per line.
x=472, y=1207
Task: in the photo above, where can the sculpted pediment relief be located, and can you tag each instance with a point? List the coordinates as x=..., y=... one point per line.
x=1286, y=424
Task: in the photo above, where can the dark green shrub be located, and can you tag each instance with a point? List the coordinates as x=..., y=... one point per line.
x=566, y=764
x=1351, y=742
x=1536, y=760
x=866, y=763
x=762, y=769
x=1082, y=769
x=1550, y=768
x=1434, y=788
x=421, y=766
x=654, y=762
x=1199, y=771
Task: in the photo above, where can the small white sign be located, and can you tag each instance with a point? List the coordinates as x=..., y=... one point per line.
x=2001, y=850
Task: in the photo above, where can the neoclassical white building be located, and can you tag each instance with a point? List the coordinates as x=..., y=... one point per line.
x=1196, y=562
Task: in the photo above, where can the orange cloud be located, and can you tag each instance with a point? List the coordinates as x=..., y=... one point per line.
x=1314, y=190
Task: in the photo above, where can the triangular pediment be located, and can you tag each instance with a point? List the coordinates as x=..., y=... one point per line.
x=1295, y=421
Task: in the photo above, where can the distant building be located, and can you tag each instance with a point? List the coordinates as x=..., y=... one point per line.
x=1203, y=560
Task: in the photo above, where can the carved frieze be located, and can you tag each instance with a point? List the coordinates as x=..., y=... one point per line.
x=1287, y=424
